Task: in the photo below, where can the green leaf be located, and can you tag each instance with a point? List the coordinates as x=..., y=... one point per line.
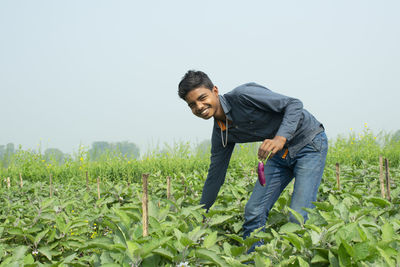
x=387, y=232
x=313, y=227
x=16, y=231
x=262, y=261
x=348, y=248
x=40, y=235
x=333, y=260
x=386, y=257
x=344, y=258
x=289, y=227
x=380, y=202
x=164, y=253
x=236, y=237
x=148, y=247
x=133, y=249
x=295, y=240
x=361, y=251
x=178, y=234
x=46, y=251
x=28, y=259
x=209, y=255
x=210, y=240
x=19, y=252
x=219, y=219
x=196, y=233
x=325, y=206
x=318, y=258
x=227, y=248
x=187, y=242
x=233, y=262
x=297, y=215
x=302, y=262
x=236, y=251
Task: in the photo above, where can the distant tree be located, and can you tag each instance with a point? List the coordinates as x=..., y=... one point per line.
x=396, y=136
x=98, y=148
x=126, y=148
x=54, y=154
x=10, y=149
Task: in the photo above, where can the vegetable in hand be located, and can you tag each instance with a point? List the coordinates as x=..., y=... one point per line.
x=261, y=175
x=260, y=171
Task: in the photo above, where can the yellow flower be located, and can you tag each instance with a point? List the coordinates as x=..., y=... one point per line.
x=81, y=158
x=72, y=211
x=351, y=142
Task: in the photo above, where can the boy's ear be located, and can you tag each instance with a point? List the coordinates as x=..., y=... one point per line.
x=215, y=90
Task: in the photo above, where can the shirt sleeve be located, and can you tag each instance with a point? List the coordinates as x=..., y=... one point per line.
x=263, y=98
x=220, y=157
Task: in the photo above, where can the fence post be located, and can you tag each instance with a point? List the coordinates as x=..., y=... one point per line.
x=381, y=181
x=98, y=187
x=8, y=183
x=20, y=180
x=145, y=218
x=338, y=175
x=387, y=179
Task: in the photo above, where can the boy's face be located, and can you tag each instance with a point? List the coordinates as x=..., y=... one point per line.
x=203, y=102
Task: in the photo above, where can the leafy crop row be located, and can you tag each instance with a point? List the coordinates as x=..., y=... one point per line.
x=350, y=227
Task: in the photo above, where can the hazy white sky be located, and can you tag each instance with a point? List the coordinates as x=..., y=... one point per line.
x=75, y=72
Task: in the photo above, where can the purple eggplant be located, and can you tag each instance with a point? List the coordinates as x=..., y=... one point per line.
x=260, y=171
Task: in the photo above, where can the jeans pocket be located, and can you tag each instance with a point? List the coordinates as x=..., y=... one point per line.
x=318, y=141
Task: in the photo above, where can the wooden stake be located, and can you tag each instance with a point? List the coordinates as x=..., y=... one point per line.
x=145, y=217
x=8, y=182
x=51, y=185
x=381, y=177
x=98, y=187
x=168, y=187
x=387, y=179
x=87, y=181
x=20, y=180
x=338, y=175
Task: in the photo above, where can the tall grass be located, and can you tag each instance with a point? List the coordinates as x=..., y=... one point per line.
x=182, y=159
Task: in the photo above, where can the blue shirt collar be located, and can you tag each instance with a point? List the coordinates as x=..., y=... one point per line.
x=225, y=106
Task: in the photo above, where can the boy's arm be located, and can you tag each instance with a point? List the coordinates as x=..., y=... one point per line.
x=220, y=157
x=265, y=99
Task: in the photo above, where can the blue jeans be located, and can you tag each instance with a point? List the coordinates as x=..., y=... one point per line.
x=306, y=167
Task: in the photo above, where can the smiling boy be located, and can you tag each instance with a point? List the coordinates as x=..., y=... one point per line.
x=253, y=113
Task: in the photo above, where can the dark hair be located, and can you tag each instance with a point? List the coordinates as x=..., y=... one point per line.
x=193, y=80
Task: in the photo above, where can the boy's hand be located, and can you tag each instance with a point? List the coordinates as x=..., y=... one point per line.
x=271, y=145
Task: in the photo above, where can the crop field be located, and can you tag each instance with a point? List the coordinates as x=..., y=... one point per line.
x=80, y=220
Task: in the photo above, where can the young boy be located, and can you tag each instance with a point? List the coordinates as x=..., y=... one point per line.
x=252, y=113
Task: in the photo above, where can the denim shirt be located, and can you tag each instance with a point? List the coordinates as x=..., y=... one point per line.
x=256, y=114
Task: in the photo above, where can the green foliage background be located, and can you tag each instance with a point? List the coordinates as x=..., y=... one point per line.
x=353, y=226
